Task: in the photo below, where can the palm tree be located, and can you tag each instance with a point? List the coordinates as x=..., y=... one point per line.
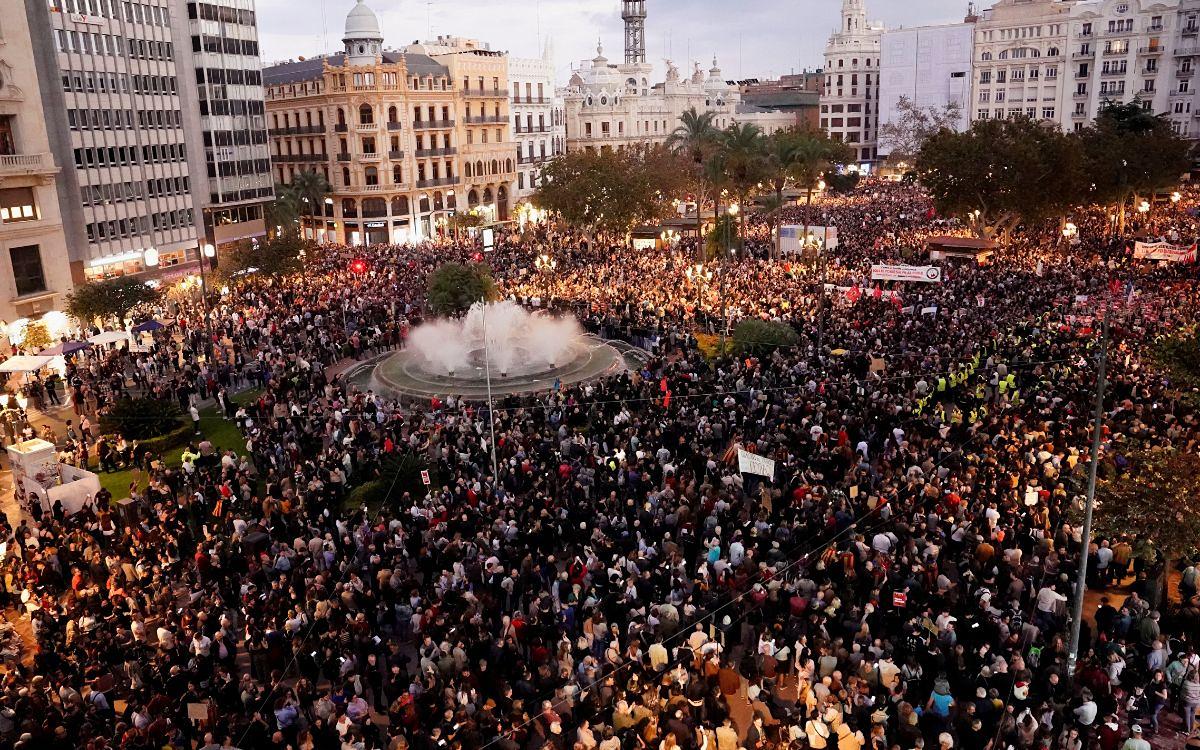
x=311, y=188
x=716, y=177
x=745, y=161
x=814, y=154
x=284, y=211
x=696, y=138
x=780, y=153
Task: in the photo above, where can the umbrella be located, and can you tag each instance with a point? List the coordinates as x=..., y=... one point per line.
x=24, y=363
x=149, y=325
x=109, y=337
x=66, y=348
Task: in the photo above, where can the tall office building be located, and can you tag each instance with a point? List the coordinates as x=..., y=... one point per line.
x=34, y=267
x=237, y=182
x=850, y=101
x=114, y=95
x=1185, y=50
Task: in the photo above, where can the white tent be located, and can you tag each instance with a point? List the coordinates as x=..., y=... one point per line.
x=25, y=363
x=109, y=337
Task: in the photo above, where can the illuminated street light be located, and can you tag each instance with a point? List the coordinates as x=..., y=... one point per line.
x=1176, y=197
x=1070, y=231
x=150, y=257
x=1144, y=207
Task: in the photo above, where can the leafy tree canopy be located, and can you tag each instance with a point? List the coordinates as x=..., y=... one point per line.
x=454, y=287
x=1156, y=501
x=110, y=298
x=1129, y=151
x=913, y=125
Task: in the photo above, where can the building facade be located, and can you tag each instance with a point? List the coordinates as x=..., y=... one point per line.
x=534, y=117
x=115, y=94
x=35, y=269
x=1022, y=60
x=404, y=138
x=850, y=101
x=1185, y=54
x=229, y=112
x=928, y=65
x=797, y=94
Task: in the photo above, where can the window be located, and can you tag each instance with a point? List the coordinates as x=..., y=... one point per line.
x=27, y=269
x=17, y=204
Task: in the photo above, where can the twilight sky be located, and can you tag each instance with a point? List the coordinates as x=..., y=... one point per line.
x=751, y=38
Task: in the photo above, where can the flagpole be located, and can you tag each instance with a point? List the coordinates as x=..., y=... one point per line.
x=487, y=366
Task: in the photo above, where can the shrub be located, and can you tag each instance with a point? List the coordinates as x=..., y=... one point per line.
x=1179, y=356
x=758, y=336
x=398, y=473
x=454, y=287
x=142, y=418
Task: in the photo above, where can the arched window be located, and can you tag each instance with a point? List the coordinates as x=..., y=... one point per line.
x=373, y=208
x=341, y=116
x=438, y=204
x=479, y=169
x=397, y=175
x=366, y=115
x=487, y=195
x=372, y=175
x=346, y=176
x=349, y=207
x=468, y=169
x=393, y=115
x=451, y=200
x=472, y=198
x=400, y=205
x=495, y=166
x=424, y=203
x=509, y=165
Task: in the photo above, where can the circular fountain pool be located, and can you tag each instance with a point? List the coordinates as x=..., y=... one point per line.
x=522, y=352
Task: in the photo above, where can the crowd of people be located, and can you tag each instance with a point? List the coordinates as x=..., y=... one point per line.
x=901, y=581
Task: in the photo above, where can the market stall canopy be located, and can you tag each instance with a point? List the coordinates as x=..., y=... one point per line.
x=66, y=347
x=25, y=363
x=149, y=325
x=944, y=247
x=109, y=337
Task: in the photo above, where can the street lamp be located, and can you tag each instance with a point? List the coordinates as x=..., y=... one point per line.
x=150, y=257
x=1144, y=207
x=1176, y=196
x=545, y=266
x=699, y=275
x=1070, y=231
x=207, y=250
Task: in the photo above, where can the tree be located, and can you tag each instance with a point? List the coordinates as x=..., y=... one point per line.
x=696, y=138
x=743, y=147
x=1155, y=502
x=36, y=337
x=311, y=188
x=454, y=287
x=284, y=212
x=754, y=336
x=722, y=238
x=465, y=220
x=610, y=191
x=815, y=155
x=842, y=183
x=1129, y=152
x=1001, y=172
x=111, y=298
x=913, y=125
x=142, y=418
x=274, y=256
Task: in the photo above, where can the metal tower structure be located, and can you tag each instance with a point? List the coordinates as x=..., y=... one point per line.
x=633, y=12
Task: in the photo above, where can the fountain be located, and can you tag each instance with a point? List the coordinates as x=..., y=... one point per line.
x=522, y=351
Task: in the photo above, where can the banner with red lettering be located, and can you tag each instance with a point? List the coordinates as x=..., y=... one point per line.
x=1165, y=251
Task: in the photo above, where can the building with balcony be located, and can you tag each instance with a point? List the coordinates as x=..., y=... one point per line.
x=35, y=268
x=484, y=131
x=850, y=100
x=1181, y=57
x=229, y=113
x=116, y=92
x=537, y=123
x=1023, y=55
x=1123, y=58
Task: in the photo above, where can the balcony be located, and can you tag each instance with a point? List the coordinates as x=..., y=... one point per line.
x=1155, y=50
x=1081, y=95
x=518, y=99
x=1177, y=94
x=426, y=152
x=1189, y=30
x=486, y=94
x=366, y=127
x=1149, y=71
x=1118, y=32
x=1187, y=51
x=298, y=130
x=15, y=164
x=1083, y=74
x=487, y=120
x=1113, y=73
x=299, y=158
x=432, y=124
x=343, y=157
x=393, y=126
x=341, y=127
x=369, y=156
x=437, y=182
x=395, y=155
x=1087, y=53
x=1185, y=73
x=1111, y=51
x=546, y=128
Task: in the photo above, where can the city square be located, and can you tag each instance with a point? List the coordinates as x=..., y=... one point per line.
x=370, y=394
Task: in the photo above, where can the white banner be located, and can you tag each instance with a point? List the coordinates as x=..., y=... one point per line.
x=1165, y=251
x=792, y=238
x=928, y=274
x=752, y=463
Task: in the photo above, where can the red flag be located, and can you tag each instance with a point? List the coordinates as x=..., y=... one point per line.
x=667, y=400
x=662, y=385
x=853, y=293
x=877, y=293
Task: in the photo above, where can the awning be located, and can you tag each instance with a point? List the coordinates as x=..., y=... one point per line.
x=149, y=325
x=25, y=363
x=109, y=337
x=67, y=347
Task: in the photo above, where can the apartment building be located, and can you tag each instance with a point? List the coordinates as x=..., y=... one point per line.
x=35, y=269
x=850, y=100
x=534, y=117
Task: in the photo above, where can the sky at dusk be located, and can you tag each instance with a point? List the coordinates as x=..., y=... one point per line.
x=751, y=38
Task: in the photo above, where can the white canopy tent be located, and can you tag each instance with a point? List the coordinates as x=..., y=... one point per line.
x=25, y=363
x=109, y=337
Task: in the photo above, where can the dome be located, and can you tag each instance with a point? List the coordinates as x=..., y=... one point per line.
x=362, y=23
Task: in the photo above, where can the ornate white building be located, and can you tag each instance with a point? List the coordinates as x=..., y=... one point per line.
x=537, y=122
x=850, y=102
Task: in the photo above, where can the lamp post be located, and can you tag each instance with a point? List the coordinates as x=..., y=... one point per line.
x=1070, y=232
x=699, y=275
x=545, y=266
x=733, y=212
x=207, y=251
x=816, y=243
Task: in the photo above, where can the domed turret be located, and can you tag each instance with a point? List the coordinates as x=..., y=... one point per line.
x=363, y=39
